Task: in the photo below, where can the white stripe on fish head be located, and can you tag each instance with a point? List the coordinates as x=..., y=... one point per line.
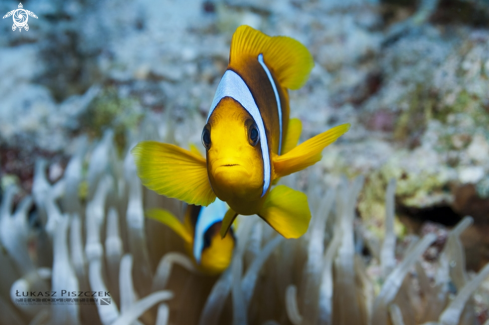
x=232, y=85
x=208, y=216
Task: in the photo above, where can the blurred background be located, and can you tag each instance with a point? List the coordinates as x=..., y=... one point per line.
x=412, y=78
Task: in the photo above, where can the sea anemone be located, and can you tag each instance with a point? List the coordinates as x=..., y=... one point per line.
x=92, y=236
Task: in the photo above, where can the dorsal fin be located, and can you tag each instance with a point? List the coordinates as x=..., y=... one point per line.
x=289, y=60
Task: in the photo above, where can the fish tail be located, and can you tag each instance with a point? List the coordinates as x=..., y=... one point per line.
x=289, y=60
x=287, y=211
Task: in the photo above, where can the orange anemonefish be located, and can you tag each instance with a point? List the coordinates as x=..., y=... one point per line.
x=200, y=231
x=250, y=141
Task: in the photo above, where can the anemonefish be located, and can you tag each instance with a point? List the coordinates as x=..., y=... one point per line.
x=200, y=232
x=249, y=140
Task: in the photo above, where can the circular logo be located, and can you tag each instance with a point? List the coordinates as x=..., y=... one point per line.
x=20, y=18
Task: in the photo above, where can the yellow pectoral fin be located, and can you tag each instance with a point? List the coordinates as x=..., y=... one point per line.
x=227, y=221
x=293, y=134
x=307, y=153
x=171, y=221
x=174, y=172
x=193, y=149
x=287, y=211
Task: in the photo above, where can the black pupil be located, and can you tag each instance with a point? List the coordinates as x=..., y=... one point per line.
x=254, y=134
x=207, y=137
x=207, y=239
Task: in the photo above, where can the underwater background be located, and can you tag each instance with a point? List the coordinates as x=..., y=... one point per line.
x=400, y=203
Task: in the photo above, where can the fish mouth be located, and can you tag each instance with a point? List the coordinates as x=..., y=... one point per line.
x=229, y=167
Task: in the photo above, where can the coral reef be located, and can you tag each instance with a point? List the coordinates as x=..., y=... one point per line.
x=104, y=243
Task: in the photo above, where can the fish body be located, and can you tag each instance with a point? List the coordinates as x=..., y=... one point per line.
x=200, y=232
x=248, y=100
x=249, y=138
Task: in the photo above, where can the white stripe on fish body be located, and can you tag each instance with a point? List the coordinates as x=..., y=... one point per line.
x=207, y=217
x=232, y=85
x=277, y=99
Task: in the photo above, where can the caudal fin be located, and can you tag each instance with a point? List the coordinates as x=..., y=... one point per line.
x=287, y=211
x=307, y=153
x=289, y=60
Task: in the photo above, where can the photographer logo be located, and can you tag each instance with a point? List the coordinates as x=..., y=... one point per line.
x=20, y=17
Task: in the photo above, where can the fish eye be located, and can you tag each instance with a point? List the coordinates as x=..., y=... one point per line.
x=253, y=134
x=211, y=231
x=206, y=136
x=207, y=241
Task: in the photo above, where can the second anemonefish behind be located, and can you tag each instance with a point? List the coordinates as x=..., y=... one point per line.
x=200, y=231
x=250, y=141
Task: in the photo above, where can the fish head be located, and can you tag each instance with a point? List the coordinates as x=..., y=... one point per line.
x=234, y=158
x=216, y=253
